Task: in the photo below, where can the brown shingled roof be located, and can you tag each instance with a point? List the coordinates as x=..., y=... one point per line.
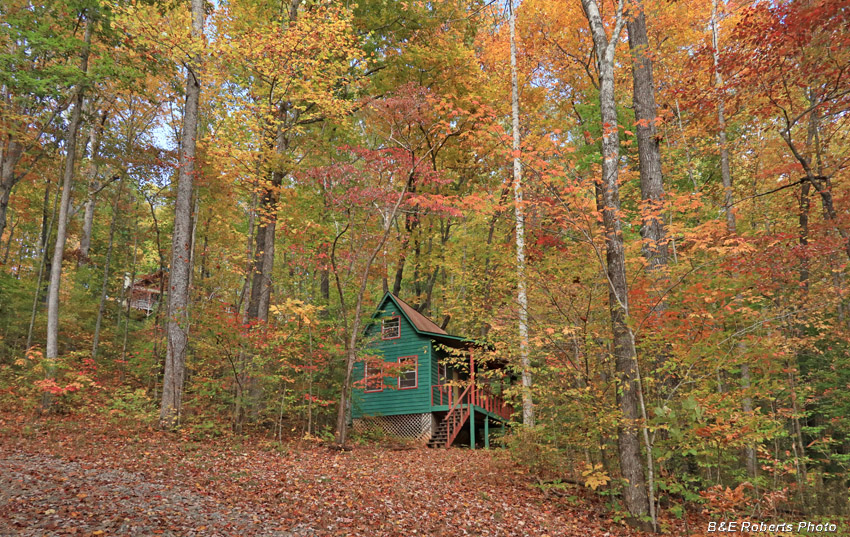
x=422, y=323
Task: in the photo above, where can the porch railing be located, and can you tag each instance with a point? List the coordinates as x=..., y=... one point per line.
x=480, y=396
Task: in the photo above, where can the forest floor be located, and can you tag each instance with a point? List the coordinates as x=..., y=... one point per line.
x=71, y=476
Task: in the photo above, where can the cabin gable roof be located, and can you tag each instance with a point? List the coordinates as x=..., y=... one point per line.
x=421, y=325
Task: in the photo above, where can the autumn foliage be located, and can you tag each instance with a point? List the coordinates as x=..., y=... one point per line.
x=346, y=150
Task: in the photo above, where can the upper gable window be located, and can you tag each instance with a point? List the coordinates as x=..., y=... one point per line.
x=391, y=328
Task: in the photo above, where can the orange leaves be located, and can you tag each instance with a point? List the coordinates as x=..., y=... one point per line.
x=726, y=500
x=436, y=203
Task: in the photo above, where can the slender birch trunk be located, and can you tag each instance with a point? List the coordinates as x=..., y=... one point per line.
x=52, y=347
x=522, y=298
x=43, y=241
x=178, y=284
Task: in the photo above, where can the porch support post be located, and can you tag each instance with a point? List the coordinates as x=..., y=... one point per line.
x=471, y=426
x=486, y=432
x=472, y=376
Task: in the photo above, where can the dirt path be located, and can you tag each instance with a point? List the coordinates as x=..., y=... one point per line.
x=47, y=495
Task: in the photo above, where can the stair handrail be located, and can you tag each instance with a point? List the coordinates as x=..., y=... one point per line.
x=458, y=402
x=452, y=434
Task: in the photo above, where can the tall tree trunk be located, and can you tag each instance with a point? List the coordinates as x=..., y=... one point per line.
x=249, y=260
x=47, y=228
x=9, y=241
x=402, y=259
x=261, y=283
x=805, y=204
x=178, y=277
x=749, y=450
x=10, y=153
x=132, y=279
x=264, y=253
x=105, y=285
x=726, y=175
x=629, y=394
x=94, y=188
x=52, y=347
x=522, y=298
x=649, y=150
x=47, y=217
x=728, y=202
x=653, y=232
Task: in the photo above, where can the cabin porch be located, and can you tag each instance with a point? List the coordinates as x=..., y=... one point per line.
x=466, y=416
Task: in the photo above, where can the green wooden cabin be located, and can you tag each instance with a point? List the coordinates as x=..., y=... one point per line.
x=408, y=389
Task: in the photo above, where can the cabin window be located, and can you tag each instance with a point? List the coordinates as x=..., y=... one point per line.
x=408, y=378
x=373, y=377
x=442, y=374
x=391, y=328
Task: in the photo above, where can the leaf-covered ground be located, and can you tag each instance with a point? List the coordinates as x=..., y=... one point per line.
x=72, y=477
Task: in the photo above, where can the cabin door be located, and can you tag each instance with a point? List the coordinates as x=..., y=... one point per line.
x=447, y=376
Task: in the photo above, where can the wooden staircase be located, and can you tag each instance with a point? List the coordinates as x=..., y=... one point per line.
x=451, y=425
x=448, y=428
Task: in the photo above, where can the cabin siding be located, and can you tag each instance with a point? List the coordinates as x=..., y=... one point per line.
x=392, y=401
x=435, y=362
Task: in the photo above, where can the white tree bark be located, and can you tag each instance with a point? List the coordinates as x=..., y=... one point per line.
x=52, y=347
x=522, y=298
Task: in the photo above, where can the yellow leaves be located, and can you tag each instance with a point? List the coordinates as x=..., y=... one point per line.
x=297, y=310
x=595, y=477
